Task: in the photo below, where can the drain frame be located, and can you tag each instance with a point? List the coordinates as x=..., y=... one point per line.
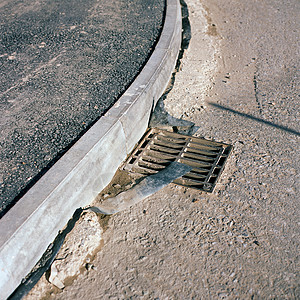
x=158, y=148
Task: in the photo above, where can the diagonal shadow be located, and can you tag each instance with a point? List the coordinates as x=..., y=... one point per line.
x=255, y=118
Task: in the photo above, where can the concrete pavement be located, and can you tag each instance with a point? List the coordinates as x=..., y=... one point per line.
x=239, y=82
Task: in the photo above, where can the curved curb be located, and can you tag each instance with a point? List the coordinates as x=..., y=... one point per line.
x=76, y=179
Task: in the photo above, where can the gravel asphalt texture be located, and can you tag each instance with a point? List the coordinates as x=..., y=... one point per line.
x=62, y=66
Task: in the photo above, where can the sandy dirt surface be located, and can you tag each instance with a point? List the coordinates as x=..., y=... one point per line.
x=238, y=82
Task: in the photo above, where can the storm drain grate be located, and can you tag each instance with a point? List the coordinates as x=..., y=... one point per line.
x=159, y=148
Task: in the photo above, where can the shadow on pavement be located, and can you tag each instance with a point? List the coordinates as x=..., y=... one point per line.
x=284, y=128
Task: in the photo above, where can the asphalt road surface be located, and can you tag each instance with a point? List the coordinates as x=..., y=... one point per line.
x=62, y=65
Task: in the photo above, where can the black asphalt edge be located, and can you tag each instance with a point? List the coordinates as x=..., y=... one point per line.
x=75, y=180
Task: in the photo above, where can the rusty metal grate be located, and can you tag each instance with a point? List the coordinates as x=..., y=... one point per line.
x=159, y=148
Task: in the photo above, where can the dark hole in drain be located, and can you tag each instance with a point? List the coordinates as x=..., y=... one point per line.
x=221, y=160
x=212, y=179
x=216, y=171
x=227, y=150
x=138, y=152
x=132, y=160
x=144, y=144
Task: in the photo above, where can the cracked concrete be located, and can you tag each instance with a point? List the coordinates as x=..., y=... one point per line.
x=242, y=241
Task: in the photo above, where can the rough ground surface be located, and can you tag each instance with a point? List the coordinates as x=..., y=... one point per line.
x=62, y=65
x=242, y=241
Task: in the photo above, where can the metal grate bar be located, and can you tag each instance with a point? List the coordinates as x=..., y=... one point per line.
x=165, y=149
x=159, y=155
x=159, y=148
x=192, y=155
x=195, y=163
x=158, y=160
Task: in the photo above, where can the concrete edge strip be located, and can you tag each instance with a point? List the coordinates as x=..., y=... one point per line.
x=76, y=179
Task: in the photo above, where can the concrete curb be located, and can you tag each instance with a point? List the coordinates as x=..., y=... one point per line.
x=76, y=179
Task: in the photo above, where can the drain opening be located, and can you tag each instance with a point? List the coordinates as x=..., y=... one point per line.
x=159, y=148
